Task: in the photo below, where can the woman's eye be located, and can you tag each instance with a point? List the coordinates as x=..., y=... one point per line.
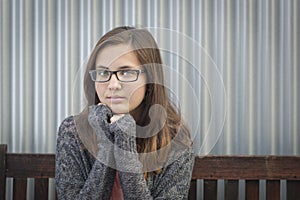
x=103, y=73
x=127, y=73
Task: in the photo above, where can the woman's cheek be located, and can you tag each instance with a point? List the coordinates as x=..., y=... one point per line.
x=137, y=97
x=100, y=92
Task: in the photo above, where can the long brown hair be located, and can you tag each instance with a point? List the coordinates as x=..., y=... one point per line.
x=148, y=54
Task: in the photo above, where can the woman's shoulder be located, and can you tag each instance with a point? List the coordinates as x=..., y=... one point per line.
x=68, y=130
x=68, y=125
x=73, y=128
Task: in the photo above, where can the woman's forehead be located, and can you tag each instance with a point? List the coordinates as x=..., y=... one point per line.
x=116, y=56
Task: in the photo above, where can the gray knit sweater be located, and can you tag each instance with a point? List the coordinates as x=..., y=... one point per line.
x=79, y=175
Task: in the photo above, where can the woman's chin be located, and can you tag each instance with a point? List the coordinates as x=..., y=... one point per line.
x=119, y=109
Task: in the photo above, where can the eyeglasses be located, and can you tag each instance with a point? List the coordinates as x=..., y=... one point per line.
x=123, y=75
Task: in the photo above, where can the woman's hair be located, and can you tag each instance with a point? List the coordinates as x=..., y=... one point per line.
x=146, y=50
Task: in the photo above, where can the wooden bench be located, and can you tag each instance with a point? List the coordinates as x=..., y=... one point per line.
x=20, y=167
x=250, y=169
x=210, y=169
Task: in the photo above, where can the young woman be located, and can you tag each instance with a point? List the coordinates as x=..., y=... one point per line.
x=129, y=142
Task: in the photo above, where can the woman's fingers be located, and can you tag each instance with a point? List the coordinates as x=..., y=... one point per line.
x=116, y=117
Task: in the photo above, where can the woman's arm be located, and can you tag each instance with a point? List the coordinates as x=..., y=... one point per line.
x=172, y=183
x=75, y=177
x=174, y=180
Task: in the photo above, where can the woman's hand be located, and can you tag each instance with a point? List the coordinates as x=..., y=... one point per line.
x=99, y=119
x=125, y=149
x=124, y=129
x=115, y=117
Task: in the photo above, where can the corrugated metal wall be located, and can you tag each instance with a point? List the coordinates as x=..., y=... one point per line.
x=253, y=48
x=254, y=44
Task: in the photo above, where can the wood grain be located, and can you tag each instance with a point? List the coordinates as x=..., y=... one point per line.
x=247, y=167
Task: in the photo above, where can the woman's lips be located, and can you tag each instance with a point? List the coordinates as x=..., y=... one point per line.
x=115, y=99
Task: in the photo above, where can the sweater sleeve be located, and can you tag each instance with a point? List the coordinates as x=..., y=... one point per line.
x=172, y=183
x=74, y=178
x=130, y=169
x=174, y=180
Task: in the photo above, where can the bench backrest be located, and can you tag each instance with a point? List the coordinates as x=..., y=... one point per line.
x=20, y=167
x=250, y=169
x=210, y=169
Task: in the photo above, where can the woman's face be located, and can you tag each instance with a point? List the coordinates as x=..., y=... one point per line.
x=121, y=97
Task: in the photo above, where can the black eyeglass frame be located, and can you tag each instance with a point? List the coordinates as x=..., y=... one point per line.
x=138, y=71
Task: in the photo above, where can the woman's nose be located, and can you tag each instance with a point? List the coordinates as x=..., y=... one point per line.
x=114, y=83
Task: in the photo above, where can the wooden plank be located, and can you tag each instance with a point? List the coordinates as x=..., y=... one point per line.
x=193, y=190
x=273, y=189
x=30, y=165
x=231, y=189
x=19, y=189
x=247, y=167
x=3, y=150
x=210, y=190
x=41, y=188
x=252, y=189
x=293, y=190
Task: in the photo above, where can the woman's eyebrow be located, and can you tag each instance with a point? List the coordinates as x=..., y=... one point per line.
x=120, y=67
x=125, y=67
x=101, y=67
